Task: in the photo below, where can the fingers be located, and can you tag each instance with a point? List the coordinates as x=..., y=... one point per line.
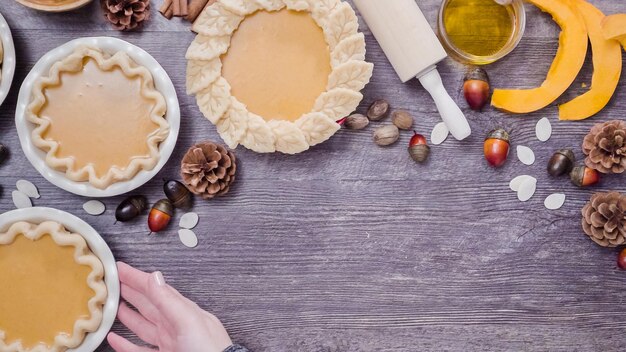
x=136, y=279
x=142, y=303
x=120, y=344
x=144, y=329
x=170, y=303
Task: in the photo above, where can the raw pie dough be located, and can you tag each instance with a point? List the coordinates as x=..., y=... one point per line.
x=273, y=106
x=53, y=288
x=99, y=118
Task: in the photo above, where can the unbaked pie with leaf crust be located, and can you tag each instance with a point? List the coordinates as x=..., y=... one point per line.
x=53, y=288
x=276, y=75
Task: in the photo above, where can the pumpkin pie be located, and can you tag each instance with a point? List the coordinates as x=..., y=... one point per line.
x=53, y=290
x=276, y=75
x=99, y=118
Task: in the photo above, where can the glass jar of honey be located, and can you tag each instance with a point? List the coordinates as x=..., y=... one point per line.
x=480, y=31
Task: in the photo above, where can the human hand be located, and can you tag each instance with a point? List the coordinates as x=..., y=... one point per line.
x=166, y=319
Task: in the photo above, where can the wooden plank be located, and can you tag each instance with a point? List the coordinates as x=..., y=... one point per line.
x=352, y=247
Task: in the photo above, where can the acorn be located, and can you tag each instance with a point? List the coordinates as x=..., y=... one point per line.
x=476, y=88
x=496, y=147
x=160, y=215
x=583, y=176
x=418, y=148
x=561, y=163
x=621, y=259
x=178, y=194
x=131, y=208
x=4, y=153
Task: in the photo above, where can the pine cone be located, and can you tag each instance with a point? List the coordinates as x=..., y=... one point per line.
x=126, y=14
x=604, y=219
x=208, y=169
x=605, y=147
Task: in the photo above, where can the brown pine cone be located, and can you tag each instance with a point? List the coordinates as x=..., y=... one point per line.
x=208, y=169
x=605, y=147
x=126, y=14
x=604, y=219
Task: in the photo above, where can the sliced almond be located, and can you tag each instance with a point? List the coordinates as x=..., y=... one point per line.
x=189, y=221
x=439, y=134
x=517, y=182
x=527, y=189
x=21, y=200
x=188, y=238
x=94, y=207
x=28, y=188
x=525, y=155
x=543, y=129
x=554, y=201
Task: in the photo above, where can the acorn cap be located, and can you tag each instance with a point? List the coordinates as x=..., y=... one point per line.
x=165, y=206
x=419, y=152
x=476, y=73
x=498, y=133
x=568, y=153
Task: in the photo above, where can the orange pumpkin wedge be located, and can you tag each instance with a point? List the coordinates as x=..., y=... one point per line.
x=567, y=63
x=607, y=68
x=614, y=27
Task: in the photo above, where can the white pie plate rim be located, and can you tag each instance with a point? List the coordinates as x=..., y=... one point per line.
x=8, y=61
x=37, y=156
x=97, y=245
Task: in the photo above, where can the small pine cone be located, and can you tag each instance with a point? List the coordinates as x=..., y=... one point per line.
x=605, y=147
x=126, y=14
x=208, y=169
x=604, y=219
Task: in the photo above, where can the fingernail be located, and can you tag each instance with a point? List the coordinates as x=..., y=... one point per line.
x=158, y=278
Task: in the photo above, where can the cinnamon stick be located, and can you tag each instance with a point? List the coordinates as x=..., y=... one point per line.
x=184, y=8
x=176, y=7
x=196, y=7
x=165, y=7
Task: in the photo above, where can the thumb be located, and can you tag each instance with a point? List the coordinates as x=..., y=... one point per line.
x=173, y=309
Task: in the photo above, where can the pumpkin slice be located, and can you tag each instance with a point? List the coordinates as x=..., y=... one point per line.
x=569, y=59
x=607, y=68
x=614, y=27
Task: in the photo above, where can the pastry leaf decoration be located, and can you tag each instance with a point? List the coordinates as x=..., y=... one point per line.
x=353, y=75
x=317, y=127
x=200, y=74
x=215, y=100
x=337, y=103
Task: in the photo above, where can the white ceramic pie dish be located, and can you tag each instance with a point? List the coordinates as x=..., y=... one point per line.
x=36, y=156
x=97, y=245
x=8, y=62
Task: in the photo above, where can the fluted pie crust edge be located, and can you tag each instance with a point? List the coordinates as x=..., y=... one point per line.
x=235, y=124
x=74, y=63
x=95, y=280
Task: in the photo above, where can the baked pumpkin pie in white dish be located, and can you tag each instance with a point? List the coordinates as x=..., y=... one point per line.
x=7, y=59
x=60, y=286
x=53, y=288
x=98, y=117
x=276, y=75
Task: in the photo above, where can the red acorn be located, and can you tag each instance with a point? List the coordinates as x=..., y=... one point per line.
x=583, y=176
x=621, y=259
x=160, y=215
x=418, y=148
x=476, y=88
x=496, y=148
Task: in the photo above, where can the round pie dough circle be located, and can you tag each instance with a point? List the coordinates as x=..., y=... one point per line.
x=235, y=124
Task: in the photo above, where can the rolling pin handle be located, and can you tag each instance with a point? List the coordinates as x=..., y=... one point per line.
x=450, y=112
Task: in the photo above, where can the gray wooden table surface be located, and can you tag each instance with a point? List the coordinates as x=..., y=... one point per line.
x=352, y=247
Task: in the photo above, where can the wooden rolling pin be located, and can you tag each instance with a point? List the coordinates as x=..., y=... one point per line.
x=414, y=51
